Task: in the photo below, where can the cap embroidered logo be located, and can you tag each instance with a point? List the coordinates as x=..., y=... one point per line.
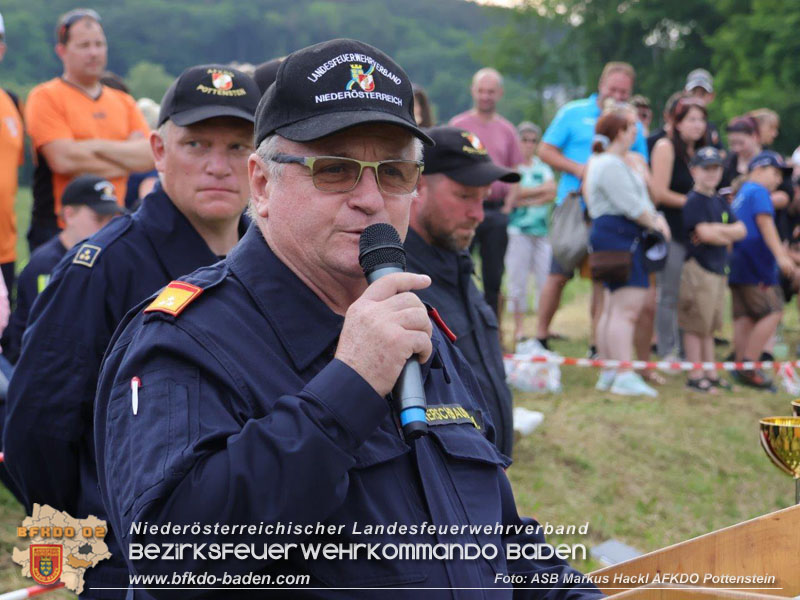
x=364, y=80
x=222, y=81
x=106, y=190
x=477, y=145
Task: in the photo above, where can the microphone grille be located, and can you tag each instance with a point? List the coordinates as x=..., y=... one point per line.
x=380, y=244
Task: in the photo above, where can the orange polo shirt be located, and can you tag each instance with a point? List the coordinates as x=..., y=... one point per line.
x=11, y=156
x=57, y=110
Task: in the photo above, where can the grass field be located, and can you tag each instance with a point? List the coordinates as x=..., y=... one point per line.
x=647, y=472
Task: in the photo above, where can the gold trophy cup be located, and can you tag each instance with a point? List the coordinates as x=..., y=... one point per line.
x=780, y=438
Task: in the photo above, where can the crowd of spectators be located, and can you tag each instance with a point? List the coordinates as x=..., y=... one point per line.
x=644, y=179
x=727, y=209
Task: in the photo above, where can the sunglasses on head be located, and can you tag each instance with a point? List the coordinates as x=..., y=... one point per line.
x=72, y=17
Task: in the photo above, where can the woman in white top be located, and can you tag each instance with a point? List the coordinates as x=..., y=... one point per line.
x=621, y=209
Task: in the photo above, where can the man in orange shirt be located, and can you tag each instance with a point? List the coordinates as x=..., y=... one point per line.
x=78, y=125
x=11, y=156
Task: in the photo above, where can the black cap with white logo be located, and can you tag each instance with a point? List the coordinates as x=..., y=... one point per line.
x=92, y=191
x=332, y=86
x=461, y=156
x=208, y=91
x=706, y=157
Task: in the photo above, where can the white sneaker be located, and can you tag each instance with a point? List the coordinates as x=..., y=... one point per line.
x=605, y=380
x=630, y=383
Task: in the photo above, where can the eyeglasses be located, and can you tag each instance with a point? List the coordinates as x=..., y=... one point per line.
x=72, y=17
x=337, y=174
x=530, y=140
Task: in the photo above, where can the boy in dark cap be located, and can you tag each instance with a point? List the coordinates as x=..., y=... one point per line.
x=711, y=227
x=757, y=297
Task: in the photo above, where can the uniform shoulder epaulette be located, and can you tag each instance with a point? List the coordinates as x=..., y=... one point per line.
x=88, y=251
x=86, y=255
x=174, y=298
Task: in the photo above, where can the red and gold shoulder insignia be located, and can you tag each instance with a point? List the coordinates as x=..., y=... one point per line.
x=174, y=298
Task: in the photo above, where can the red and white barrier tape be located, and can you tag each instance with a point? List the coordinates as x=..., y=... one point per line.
x=30, y=592
x=661, y=365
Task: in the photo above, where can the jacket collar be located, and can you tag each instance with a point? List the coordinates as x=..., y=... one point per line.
x=179, y=247
x=442, y=265
x=305, y=325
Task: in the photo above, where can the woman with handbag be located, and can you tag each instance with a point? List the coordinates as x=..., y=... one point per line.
x=621, y=210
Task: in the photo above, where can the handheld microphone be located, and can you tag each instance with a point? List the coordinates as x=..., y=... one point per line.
x=381, y=253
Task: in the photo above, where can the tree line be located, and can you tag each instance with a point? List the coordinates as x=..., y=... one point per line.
x=542, y=46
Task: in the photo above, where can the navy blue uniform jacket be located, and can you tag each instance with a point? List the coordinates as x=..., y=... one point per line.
x=245, y=417
x=31, y=281
x=466, y=312
x=48, y=442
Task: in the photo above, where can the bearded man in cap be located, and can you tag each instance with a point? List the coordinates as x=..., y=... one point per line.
x=280, y=363
x=192, y=218
x=444, y=216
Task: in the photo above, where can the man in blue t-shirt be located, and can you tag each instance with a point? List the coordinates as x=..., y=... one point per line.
x=757, y=298
x=566, y=147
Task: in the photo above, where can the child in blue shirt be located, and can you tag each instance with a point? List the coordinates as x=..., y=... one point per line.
x=757, y=298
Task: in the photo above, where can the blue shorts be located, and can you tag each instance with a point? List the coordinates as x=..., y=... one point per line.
x=615, y=232
x=557, y=269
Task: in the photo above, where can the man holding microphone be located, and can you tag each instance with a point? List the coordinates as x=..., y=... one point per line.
x=260, y=386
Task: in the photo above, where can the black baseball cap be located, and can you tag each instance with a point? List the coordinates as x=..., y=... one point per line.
x=92, y=191
x=768, y=158
x=655, y=250
x=265, y=73
x=706, y=157
x=335, y=85
x=208, y=91
x=461, y=156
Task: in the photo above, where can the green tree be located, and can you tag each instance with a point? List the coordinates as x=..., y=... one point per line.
x=148, y=80
x=755, y=63
x=568, y=42
x=427, y=38
x=523, y=50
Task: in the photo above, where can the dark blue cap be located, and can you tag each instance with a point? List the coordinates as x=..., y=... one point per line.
x=768, y=158
x=706, y=157
x=208, y=91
